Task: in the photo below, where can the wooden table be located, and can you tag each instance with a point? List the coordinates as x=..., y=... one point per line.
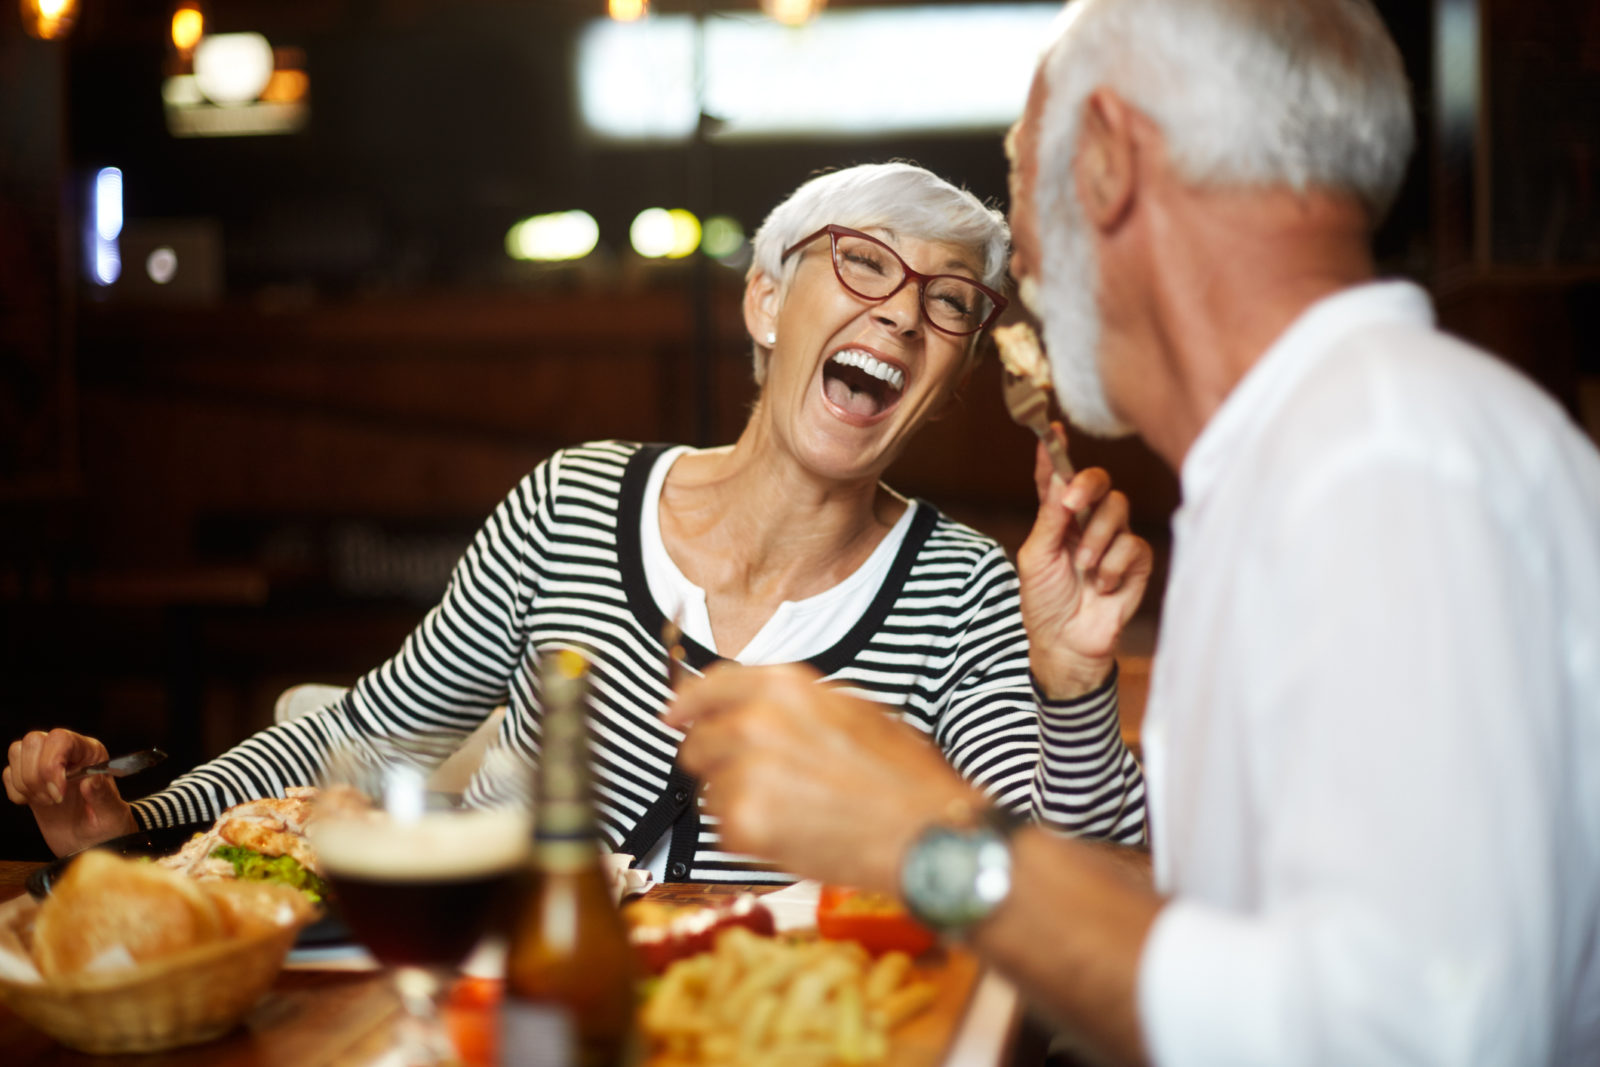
x=343, y=1018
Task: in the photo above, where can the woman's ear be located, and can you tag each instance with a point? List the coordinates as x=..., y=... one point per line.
x=761, y=308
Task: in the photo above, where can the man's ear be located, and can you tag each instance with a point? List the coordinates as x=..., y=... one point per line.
x=761, y=307
x=1105, y=170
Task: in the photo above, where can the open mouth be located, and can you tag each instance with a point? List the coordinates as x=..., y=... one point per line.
x=860, y=384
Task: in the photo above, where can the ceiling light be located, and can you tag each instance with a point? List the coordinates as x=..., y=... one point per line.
x=723, y=236
x=793, y=12
x=553, y=238
x=232, y=68
x=188, y=26
x=685, y=233
x=48, y=20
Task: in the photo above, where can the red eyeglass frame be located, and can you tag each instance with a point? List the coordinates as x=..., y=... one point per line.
x=835, y=231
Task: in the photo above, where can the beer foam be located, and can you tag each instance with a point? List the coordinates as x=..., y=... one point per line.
x=437, y=846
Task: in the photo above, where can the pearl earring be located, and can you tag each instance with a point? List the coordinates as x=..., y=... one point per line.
x=772, y=338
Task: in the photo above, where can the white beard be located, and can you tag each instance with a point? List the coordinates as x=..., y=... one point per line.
x=1067, y=309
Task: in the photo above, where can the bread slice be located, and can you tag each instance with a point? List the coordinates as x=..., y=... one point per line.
x=246, y=907
x=105, y=906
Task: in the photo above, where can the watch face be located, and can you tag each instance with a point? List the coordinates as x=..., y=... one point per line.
x=953, y=879
x=946, y=872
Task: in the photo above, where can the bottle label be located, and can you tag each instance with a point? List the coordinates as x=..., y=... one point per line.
x=536, y=1035
x=564, y=857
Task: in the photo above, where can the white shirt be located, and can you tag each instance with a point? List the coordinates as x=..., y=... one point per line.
x=797, y=630
x=1373, y=733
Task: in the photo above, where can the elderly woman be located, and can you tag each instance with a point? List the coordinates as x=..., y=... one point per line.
x=868, y=293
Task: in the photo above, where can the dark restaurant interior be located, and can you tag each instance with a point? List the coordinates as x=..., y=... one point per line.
x=267, y=361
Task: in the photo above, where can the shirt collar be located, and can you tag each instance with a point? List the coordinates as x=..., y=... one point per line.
x=1296, y=352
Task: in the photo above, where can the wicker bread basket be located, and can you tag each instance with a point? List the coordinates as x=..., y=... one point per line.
x=183, y=999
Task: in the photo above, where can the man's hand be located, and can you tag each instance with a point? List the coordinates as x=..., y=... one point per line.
x=831, y=787
x=1083, y=574
x=70, y=815
x=824, y=783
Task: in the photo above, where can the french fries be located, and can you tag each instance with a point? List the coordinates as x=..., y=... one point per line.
x=762, y=1002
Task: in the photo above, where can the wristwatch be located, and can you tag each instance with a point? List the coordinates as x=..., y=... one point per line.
x=954, y=876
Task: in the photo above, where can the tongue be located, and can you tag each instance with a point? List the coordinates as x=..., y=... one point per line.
x=856, y=402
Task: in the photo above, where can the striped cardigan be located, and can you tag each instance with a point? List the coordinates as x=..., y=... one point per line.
x=558, y=564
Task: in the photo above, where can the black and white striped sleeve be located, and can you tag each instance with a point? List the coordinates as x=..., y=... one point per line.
x=1062, y=763
x=1089, y=779
x=449, y=674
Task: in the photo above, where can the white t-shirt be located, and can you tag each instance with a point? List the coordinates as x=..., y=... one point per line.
x=1373, y=734
x=798, y=630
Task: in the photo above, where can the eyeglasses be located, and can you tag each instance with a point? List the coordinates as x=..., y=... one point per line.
x=952, y=303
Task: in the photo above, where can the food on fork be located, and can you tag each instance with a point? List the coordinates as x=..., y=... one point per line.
x=1027, y=391
x=1021, y=355
x=259, y=840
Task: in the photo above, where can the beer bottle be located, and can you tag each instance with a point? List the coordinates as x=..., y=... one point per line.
x=570, y=970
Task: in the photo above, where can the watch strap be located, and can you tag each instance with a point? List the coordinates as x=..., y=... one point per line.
x=1002, y=821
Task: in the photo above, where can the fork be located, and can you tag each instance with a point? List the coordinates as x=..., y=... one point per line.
x=1029, y=405
x=672, y=638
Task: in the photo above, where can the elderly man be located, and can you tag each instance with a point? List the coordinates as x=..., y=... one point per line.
x=1373, y=736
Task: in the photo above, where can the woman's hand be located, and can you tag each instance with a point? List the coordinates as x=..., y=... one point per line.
x=1083, y=574
x=71, y=815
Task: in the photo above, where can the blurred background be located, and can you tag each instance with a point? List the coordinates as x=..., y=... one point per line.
x=292, y=292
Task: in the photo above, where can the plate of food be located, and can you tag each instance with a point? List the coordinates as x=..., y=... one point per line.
x=257, y=841
x=737, y=982
x=732, y=981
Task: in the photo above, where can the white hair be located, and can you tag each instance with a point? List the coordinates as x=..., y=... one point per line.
x=1303, y=93
x=902, y=197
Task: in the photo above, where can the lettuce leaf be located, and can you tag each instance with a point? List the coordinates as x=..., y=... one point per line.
x=251, y=866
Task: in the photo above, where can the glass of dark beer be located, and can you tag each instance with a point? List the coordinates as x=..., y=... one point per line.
x=417, y=876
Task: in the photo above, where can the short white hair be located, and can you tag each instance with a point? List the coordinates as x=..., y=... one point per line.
x=903, y=197
x=1309, y=94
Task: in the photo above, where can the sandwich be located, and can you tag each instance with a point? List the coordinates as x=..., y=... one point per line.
x=257, y=841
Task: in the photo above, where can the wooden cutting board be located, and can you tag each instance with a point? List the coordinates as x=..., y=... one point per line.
x=923, y=1041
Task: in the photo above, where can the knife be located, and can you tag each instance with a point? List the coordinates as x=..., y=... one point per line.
x=122, y=766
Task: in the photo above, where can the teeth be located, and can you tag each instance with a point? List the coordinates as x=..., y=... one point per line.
x=851, y=357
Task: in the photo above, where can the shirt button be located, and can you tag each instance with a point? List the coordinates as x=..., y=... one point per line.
x=678, y=870
x=680, y=795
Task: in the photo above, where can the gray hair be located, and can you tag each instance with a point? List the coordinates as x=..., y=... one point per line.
x=1303, y=93
x=902, y=197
